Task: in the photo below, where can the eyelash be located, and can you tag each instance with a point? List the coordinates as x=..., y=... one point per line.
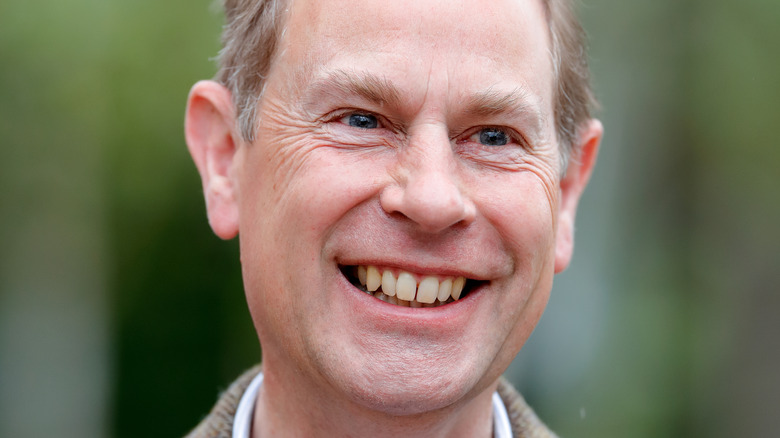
x=382, y=123
x=513, y=137
x=339, y=116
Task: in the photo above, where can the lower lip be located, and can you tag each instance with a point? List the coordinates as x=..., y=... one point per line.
x=454, y=314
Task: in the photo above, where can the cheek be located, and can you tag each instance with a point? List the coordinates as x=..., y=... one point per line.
x=292, y=199
x=295, y=193
x=524, y=217
x=523, y=209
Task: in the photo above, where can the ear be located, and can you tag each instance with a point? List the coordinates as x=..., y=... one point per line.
x=572, y=186
x=209, y=131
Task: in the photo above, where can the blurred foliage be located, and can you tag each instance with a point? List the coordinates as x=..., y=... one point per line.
x=675, y=265
x=689, y=247
x=106, y=82
x=181, y=318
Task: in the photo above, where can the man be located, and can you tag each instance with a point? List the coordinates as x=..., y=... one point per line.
x=403, y=178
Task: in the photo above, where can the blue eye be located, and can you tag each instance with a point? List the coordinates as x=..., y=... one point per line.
x=493, y=137
x=362, y=121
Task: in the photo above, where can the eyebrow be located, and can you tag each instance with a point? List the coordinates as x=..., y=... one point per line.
x=375, y=89
x=514, y=103
x=517, y=103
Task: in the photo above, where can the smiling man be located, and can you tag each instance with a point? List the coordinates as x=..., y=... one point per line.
x=403, y=178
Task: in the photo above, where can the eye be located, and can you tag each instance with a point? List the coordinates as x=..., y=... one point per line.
x=362, y=121
x=491, y=137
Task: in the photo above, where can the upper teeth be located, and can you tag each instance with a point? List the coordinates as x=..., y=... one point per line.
x=406, y=289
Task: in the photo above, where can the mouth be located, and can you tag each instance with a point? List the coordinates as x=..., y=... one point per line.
x=407, y=289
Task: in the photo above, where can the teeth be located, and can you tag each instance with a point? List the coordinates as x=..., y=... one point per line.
x=445, y=290
x=373, y=279
x=404, y=289
x=457, y=287
x=388, y=283
x=406, y=286
x=428, y=290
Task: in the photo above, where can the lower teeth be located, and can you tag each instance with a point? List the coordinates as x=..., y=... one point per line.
x=404, y=303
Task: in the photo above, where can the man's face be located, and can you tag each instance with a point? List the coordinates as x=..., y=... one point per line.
x=416, y=137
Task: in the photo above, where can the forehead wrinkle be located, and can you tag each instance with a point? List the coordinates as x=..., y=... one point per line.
x=340, y=82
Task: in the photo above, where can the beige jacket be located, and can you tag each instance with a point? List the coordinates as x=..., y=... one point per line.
x=219, y=422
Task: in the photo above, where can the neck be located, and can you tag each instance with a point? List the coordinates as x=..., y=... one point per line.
x=295, y=407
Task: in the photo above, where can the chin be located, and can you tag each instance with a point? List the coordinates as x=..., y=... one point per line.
x=402, y=387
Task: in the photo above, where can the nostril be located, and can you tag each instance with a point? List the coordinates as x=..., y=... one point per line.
x=391, y=200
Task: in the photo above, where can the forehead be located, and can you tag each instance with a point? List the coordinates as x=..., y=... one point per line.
x=473, y=24
x=462, y=47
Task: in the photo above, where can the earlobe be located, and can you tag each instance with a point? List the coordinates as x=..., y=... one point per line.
x=209, y=131
x=572, y=186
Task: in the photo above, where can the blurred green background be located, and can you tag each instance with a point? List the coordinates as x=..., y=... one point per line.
x=121, y=315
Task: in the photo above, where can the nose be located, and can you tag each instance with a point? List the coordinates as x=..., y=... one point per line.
x=427, y=189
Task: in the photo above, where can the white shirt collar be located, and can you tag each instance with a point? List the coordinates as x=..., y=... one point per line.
x=242, y=422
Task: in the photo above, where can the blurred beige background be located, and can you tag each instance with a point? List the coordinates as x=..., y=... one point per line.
x=122, y=316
